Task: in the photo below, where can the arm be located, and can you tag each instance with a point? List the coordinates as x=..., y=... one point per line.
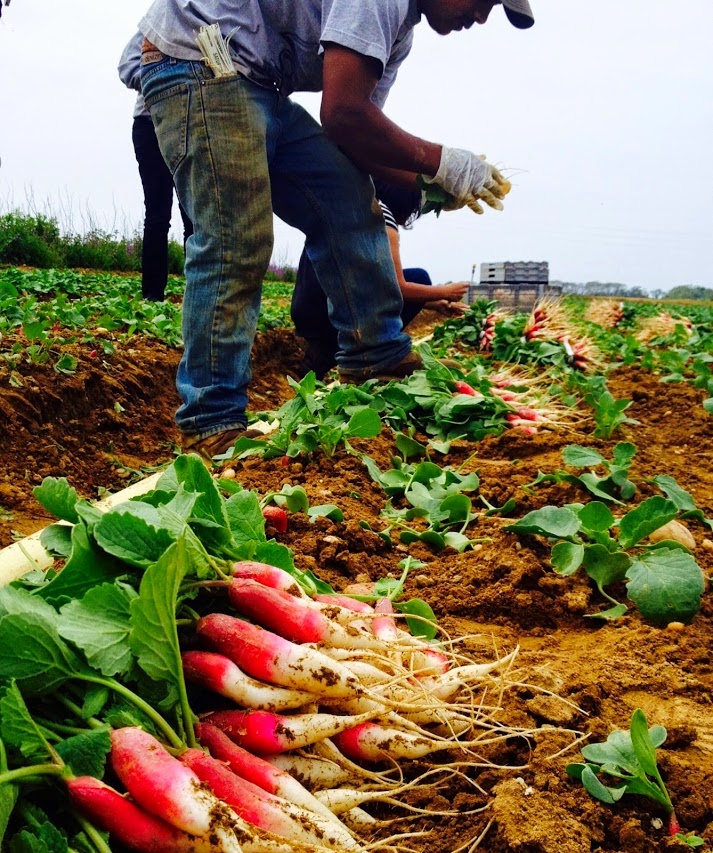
x=356, y=124
x=442, y=294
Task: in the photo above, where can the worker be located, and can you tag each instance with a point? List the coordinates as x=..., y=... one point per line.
x=217, y=76
x=310, y=314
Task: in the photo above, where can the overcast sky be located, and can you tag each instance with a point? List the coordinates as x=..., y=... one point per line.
x=603, y=111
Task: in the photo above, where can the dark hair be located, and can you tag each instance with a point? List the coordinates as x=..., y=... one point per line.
x=404, y=204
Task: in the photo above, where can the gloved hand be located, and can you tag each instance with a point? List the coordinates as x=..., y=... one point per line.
x=468, y=177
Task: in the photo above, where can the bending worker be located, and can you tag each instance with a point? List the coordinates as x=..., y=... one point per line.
x=239, y=148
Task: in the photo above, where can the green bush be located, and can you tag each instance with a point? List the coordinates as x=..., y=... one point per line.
x=32, y=241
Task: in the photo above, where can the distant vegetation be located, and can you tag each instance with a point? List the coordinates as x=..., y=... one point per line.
x=614, y=289
x=36, y=240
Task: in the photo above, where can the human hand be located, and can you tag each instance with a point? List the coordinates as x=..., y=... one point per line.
x=450, y=309
x=452, y=292
x=469, y=178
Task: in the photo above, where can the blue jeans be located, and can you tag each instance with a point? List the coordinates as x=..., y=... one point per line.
x=237, y=152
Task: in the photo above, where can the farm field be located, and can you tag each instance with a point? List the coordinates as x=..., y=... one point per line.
x=87, y=394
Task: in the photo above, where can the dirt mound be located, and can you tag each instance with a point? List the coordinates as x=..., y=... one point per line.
x=111, y=422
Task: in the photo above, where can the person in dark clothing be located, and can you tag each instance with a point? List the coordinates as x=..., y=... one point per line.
x=310, y=310
x=158, y=190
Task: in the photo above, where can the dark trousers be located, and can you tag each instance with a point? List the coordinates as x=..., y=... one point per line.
x=157, y=184
x=310, y=314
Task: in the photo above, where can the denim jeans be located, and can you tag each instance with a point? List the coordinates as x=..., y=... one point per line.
x=310, y=313
x=157, y=184
x=237, y=152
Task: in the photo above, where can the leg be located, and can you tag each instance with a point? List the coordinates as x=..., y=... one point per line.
x=319, y=190
x=411, y=309
x=157, y=184
x=212, y=135
x=310, y=314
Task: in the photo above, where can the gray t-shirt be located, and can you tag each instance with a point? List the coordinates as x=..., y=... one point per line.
x=279, y=43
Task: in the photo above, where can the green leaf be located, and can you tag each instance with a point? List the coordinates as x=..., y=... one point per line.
x=8, y=798
x=599, y=790
x=326, y=511
x=596, y=516
x=644, y=519
x=15, y=600
x=126, y=533
x=610, y=614
x=87, y=567
x=58, y=497
x=554, y=522
x=643, y=748
x=245, y=518
x=680, y=497
x=99, y=625
x=409, y=447
x=420, y=618
x=365, y=423
x=604, y=566
x=581, y=457
x=458, y=541
x=567, y=557
x=666, y=585
x=19, y=729
x=191, y=472
x=153, y=637
x=57, y=540
x=32, y=651
x=86, y=753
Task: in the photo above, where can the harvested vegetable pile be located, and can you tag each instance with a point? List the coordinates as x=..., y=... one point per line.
x=497, y=593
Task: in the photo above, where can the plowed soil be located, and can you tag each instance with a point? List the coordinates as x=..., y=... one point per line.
x=112, y=423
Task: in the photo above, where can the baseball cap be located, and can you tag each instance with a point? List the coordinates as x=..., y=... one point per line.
x=519, y=13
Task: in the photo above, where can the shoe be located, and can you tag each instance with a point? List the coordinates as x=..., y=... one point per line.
x=408, y=364
x=218, y=443
x=318, y=357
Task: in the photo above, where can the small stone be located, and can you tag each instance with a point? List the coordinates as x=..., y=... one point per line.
x=675, y=626
x=422, y=580
x=228, y=474
x=707, y=544
x=332, y=540
x=518, y=546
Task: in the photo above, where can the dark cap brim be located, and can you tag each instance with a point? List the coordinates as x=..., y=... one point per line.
x=519, y=13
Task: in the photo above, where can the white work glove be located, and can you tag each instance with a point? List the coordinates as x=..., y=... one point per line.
x=468, y=178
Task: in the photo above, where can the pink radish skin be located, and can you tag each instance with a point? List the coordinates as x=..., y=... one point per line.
x=164, y=787
x=372, y=742
x=468, y=390
x=266, y=811
x=297, y=622
x=346, y=602
x=384, y=626
x=219, y=674
x=268, y=576
x=267, y=734
x=130, y=825
x=271, y=658
x=265, y=774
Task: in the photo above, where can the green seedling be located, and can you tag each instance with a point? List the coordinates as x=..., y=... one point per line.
x=663, y=579
x=630, y=757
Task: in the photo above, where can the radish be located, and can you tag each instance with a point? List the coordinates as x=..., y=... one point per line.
x=384, y=626
x=268, y=774
x=267, y=656
x=268, y=576
x=295, y=621
x=218, y=673
x=266, y=811
x=130, y=825
x=166, y=788
x=314, y=773
x=266, y=734
x=373, y=742
x=276, y=516
x=346, y=602
x=465, y=388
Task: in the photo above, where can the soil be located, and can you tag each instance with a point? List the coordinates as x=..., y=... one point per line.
x=112, y=422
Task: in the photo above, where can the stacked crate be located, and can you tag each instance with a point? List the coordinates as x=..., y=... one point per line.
x=518, y=285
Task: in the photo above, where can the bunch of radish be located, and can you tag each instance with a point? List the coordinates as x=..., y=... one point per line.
x=549, y=322
x=607, y=313
x=320, y=703
x=660, y=326
x=488, y=334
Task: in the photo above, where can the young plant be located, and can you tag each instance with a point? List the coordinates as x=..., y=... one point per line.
x=663, y=579
x=630, y=757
